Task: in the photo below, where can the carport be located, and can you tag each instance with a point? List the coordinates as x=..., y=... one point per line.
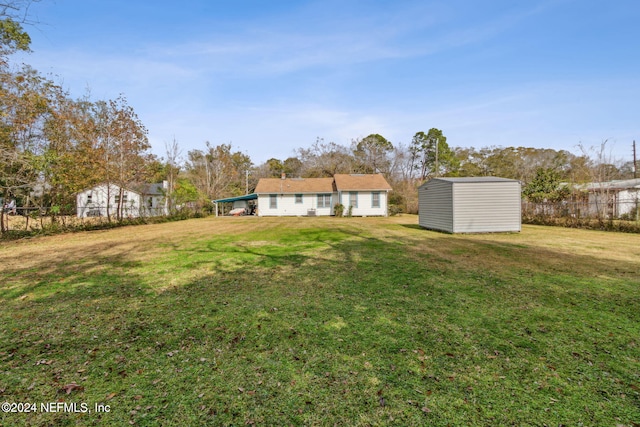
x=238, y=202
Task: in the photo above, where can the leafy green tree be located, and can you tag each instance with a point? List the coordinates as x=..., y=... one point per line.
x=372, y=154
x=292, y=166
x=185, y=191
x=546, y=186
x=431, y=155
x=25, y=104
x=13, y=37
x=275, y=168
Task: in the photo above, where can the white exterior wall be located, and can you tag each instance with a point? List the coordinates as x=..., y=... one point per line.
x=435, y=206
x=628, y=201
x=287, y=206
x=365, y=201
x=614, y=203
x=103, y=196
x=94, y=202
x=487, y=207
x=470, y=207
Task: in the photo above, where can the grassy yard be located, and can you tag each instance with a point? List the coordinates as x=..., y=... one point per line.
x=322, y=321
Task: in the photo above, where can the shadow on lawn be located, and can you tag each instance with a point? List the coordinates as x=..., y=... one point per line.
x=299, y=314
x=92, y=268
x=349, y=254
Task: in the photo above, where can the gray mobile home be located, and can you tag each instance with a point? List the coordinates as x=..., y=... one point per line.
x=470, y=205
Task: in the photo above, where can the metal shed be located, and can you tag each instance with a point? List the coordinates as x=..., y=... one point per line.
x=470, y=205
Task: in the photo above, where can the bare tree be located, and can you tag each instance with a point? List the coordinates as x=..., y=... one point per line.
x=120, y=140
x=218, y=171
x=325, y=159
x=173, y=169
x=602, y=170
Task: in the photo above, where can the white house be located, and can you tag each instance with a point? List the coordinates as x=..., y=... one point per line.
x=367, y=194
x=613, y=199
x=144, y=200
x=470, y=205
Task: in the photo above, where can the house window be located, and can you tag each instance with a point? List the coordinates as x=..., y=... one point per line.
x=124, y=199
x=375, y=199
x=324, y=200
x=116, y=199
x=298, y=198
x=353, y=199
x=273, y=201
x=150, y=202
x=89, y=197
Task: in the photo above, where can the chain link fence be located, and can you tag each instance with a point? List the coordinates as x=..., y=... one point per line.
x=612, y=215
x=24, y=220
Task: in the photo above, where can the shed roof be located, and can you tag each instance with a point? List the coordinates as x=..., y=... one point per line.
x=471, y=179
x=364, y=182
x=295, y=185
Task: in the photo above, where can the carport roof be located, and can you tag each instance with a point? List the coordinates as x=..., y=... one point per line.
x=251, y=196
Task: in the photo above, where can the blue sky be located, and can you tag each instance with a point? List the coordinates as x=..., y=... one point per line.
x=270, y=77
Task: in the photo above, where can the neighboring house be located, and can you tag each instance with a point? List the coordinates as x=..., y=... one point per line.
x=470, y=205
x=367, y=194
x=611, y=199
x=144, y=200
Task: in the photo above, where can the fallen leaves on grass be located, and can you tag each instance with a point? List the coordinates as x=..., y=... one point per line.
x=70, y=388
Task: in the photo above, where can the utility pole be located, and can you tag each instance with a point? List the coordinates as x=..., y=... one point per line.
x=437, y=143
x=635, y=175
x=635, y=161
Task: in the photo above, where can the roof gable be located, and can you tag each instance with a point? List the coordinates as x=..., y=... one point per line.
x=361, y=182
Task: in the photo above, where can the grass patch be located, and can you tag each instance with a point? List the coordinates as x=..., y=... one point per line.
x=315, y=321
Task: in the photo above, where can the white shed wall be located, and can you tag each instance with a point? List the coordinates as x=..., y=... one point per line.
x=468, y=206
x=435, y=206
x=486, y=207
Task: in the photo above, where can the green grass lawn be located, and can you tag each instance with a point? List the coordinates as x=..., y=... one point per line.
x=322, y=321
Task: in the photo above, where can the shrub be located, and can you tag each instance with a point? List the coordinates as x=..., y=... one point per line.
x=394, y=210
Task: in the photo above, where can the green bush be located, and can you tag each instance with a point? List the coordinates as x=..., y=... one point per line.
x=395, y=210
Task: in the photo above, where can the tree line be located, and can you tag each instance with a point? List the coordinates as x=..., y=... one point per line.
x=53, y=146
